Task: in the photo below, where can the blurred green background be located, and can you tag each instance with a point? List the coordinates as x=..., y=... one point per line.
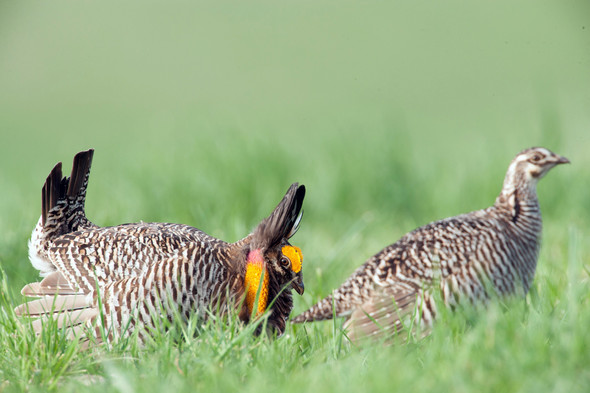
x=393, y=114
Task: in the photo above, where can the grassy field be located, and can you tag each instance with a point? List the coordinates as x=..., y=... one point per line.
x=393, y=114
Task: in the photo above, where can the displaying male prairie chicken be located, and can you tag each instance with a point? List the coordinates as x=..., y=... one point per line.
x=463, y=257
x=126, y=277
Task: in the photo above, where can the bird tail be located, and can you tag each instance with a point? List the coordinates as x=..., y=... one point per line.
x=63, y=198
x=62, y=208
x=352, y=293
x=320, y=311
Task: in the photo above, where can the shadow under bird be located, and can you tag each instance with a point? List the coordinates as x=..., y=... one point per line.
x=123, y=278
x=467, y=257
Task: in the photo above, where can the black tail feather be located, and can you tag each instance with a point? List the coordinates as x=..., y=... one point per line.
x=69, y=193
x=52, y=191
x=80, y=173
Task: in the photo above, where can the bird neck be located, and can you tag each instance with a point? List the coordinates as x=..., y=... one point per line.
x=256, y=282
x=243, y=243
x=519, y=193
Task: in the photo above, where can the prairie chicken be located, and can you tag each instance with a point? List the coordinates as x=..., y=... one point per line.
x=122, y=278
x=468, y=257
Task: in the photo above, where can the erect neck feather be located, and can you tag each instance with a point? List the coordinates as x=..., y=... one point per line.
x=256, y=282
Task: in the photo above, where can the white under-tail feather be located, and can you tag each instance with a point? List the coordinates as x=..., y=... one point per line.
x=44, y=266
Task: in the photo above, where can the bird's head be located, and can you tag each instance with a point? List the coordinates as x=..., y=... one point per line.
x=523, y=174
x=537, y=161
x=534, y=163
x=286, y=264
x=273, y=265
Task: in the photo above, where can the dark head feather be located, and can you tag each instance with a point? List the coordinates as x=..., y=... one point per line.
x=283, y=221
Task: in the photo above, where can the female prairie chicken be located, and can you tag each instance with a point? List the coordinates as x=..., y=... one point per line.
x=122, y=278
x=463, y=256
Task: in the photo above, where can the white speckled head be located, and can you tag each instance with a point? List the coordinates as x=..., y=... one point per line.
x=524, y=173
x=530, y=165
x=536, y=162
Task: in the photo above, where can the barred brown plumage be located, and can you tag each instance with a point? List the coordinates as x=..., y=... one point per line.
x=468, y=257
x=123, y=278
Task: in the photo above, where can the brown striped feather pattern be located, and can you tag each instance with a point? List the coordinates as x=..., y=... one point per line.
x=467, y=257
x=128, y=277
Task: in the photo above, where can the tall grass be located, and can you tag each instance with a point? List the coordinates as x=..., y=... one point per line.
x=392, y=114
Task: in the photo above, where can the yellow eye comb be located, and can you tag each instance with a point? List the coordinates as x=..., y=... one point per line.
x=295, y=256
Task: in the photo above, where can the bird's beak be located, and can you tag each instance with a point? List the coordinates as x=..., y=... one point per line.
x=297, y=283
x=561, y=160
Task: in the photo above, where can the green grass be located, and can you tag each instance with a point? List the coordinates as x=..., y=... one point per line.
x=392, y=114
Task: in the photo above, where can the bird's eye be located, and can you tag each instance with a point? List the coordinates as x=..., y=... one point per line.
x=536, y=158
x=285, y=262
